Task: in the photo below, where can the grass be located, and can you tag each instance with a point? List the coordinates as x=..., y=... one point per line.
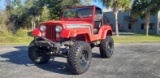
x=20, y=37
x=136, y=39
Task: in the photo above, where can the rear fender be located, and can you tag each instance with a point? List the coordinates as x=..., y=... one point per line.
x=105, y=31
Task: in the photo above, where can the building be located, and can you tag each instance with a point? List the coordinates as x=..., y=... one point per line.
x=126, y=24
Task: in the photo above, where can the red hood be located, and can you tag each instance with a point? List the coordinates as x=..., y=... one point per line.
x=64, y=23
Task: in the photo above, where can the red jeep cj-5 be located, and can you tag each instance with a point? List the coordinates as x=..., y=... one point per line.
x=74, y=35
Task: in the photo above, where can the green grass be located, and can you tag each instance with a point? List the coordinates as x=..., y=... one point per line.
x=20, y=37
x=136, y=39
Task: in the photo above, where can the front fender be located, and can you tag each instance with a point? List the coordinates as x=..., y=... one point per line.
x=36, y=32
x=68, y=33
x=72, y=33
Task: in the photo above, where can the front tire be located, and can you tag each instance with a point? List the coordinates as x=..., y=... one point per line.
x=106, y=47
x=79, y=57
x=37, y=54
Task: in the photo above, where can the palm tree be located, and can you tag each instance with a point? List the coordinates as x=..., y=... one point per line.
x=117, y=5
x=145, y=8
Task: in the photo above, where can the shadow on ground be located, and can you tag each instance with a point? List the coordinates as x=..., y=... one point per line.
x=96, y=55
x=20, y=57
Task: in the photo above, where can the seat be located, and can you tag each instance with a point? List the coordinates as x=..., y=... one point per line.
x=97, y=20
x=97, y=25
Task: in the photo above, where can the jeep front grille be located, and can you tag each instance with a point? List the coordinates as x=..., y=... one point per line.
x=50, y=32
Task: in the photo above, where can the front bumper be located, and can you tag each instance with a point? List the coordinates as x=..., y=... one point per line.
x=55, y=47
x=41, y=41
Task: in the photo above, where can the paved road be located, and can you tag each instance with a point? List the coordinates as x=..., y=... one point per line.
x=137, y=60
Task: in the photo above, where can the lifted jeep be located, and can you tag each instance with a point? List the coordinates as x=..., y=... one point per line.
x=74, y=35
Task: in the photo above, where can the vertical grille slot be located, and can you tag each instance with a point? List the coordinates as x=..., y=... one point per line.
x=50, y=32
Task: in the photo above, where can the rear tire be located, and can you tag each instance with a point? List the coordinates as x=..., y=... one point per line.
x=106, y=47
x=79, y=57
x=36, y=54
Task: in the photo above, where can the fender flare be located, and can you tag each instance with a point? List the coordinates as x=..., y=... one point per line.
x=105, y=31
x=72, y=33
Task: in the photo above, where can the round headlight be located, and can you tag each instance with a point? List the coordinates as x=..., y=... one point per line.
x=58, y=28
x=42, y=28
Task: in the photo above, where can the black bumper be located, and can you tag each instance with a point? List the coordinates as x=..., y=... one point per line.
x=40, y=41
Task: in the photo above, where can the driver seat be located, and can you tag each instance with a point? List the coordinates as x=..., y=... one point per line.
x=97, y=25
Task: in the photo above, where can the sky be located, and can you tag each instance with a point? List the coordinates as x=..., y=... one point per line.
x=2, y=4
x=99, y=4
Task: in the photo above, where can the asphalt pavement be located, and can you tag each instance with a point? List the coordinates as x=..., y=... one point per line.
x=133, y=60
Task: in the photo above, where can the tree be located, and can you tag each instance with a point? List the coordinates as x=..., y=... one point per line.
x=2, y=22
x=86, y=2
x=43, y=10
x=70, y=3
x=145, y=8
x=117, y=5
x=45, y=14
x=8, y=12
x=28, y=13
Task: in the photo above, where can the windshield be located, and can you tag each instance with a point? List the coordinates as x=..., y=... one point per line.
x=78, y=13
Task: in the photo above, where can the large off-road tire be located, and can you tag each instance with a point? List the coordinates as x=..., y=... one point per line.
x=79, y=57
x=106, y=47
x=37, y=54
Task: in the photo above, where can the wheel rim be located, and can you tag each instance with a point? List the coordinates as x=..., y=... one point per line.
x=110, y=47
x=39, y=54
x=84, y=58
